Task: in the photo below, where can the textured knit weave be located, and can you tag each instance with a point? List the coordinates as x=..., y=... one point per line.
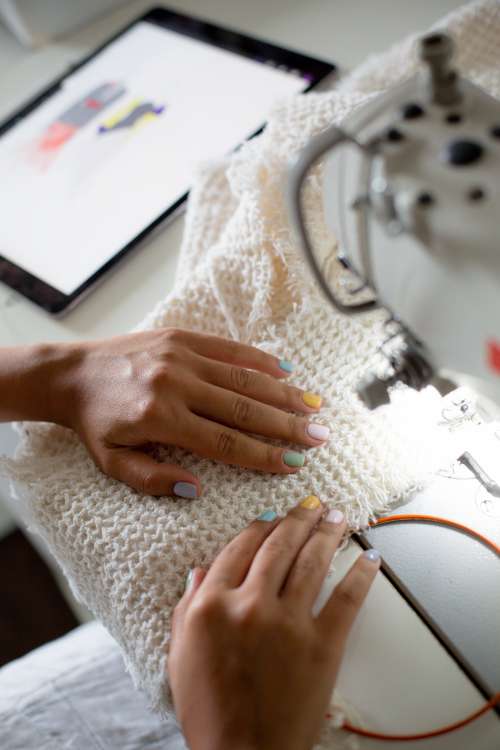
x=240, y=276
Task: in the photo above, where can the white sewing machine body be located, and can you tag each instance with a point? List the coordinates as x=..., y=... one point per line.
x=435, y=262
x=411, y=187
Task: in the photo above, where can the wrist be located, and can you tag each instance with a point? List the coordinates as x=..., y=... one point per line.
x=241, y=743
x=59, y=368
x=237, y=744
x=47, y=384
x=35, y=382
x=221, y=741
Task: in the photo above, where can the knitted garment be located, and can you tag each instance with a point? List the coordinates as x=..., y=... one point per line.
x=241, y=276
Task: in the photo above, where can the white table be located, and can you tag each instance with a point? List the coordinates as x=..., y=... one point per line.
x=395, y=670
x=344, y=31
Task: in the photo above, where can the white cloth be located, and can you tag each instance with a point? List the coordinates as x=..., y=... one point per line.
x=74, y=693
x=240, y=276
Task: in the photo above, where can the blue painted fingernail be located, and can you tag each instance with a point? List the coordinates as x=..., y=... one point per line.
x=286, y=365
x=268, y=515
x=185, y=489
x=189, y=580
x=292, y=458
x=373, y=555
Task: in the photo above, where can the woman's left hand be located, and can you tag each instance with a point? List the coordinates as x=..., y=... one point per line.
x=205, y=394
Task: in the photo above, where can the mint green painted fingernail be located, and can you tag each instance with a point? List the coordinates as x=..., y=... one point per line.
x=292, y=458
x=286, y=365
x=189, y=580
x=267, y=515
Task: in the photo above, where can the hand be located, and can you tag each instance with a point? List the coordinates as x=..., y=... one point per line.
x=176, y=387
x=250, y=668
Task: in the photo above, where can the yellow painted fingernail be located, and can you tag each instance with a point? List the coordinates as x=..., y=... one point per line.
x=311, y=399
x=311, y=502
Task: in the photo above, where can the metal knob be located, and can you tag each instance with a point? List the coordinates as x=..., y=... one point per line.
x=436, y=51
x=408, y=366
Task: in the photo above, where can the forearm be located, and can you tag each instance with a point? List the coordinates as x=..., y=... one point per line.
x=33, y=381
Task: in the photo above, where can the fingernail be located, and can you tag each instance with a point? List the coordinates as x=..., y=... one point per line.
x=373, y=555
x=286, y=365
x=189, y=580
x=185, y=489
x=292, y=458
x=335, y=516
x=267, y=515
x=318, y=431
x=311, y=502
x=311, y=399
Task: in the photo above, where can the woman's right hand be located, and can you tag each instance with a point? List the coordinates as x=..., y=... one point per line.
x=249, y=666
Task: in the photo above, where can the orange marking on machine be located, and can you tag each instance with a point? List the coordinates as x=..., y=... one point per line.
x=494, y=355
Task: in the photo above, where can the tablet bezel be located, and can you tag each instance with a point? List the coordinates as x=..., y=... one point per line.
x=53, y=300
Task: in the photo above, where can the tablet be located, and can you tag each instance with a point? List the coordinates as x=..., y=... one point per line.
x=104, y=155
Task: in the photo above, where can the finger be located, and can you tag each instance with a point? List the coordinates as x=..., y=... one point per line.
x=252, y=416
x=277, y=554
x=232, y=563
x=339, y=613
x=211, y=440
x=194, y=580
x=232, y=352
x=311, y=565
x=147, y=476
x=256, y=385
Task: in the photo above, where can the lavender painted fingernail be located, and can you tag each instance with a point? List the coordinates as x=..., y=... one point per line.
x=335, y=516
x=318, y=431
x=373, y=555
x=185, y=489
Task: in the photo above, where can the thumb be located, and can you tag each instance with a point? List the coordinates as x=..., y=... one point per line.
x=193, y=582
x=149, y=477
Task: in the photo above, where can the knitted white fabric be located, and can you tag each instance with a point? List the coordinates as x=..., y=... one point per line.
x=240, y=276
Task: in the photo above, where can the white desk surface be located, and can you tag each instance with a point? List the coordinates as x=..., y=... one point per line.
x=344, y=31
x=394, y=671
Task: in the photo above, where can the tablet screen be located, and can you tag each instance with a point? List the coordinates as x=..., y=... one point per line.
x=119, y=142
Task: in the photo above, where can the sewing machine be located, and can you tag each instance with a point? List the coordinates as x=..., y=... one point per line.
x=411, y=198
